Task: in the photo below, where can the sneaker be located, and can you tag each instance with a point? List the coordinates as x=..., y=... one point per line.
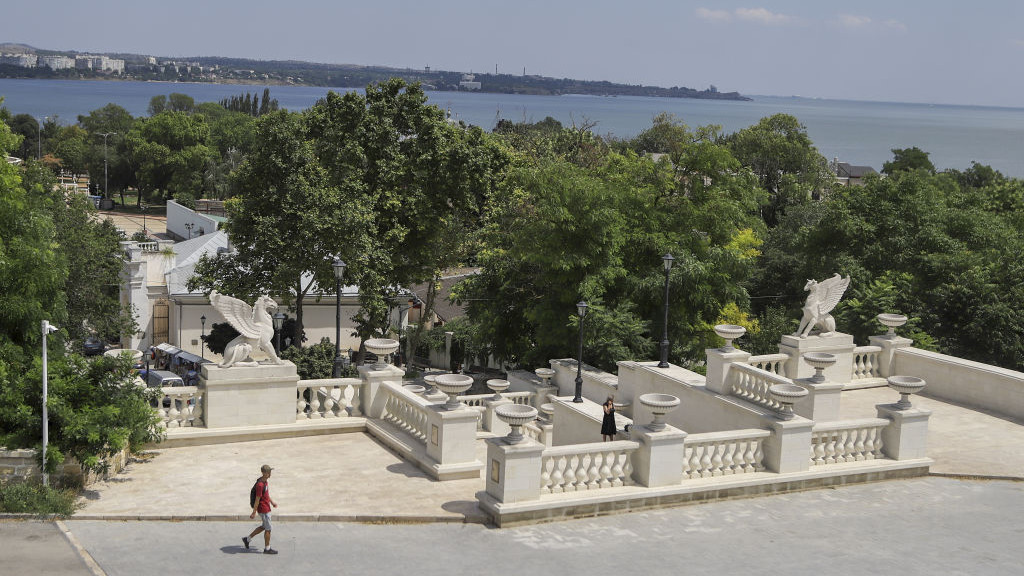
x=269, y=551
x=245, y=540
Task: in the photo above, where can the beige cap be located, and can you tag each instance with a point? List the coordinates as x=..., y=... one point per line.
x=265, y=468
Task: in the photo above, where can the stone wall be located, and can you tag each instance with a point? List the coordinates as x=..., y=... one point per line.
x=20, y=465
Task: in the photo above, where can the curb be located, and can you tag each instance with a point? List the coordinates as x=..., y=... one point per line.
x=87, y=558
x=958, y=476
x=357, y=518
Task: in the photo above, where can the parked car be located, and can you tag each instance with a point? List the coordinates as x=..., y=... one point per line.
x=161, y=378
x=93, y=346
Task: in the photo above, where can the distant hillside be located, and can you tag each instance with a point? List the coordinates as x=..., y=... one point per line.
x=240, y=70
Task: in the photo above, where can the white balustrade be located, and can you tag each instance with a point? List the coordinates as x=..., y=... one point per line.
x=327, y=398
x=774, y=363
x=751, y=384
x=724, y=453
x=866, y=362
x=180, y=406
x=847, y=441
x=524, y=398
x=475, y=400
x=404, y=410
x=587, y=466
x=148, y=246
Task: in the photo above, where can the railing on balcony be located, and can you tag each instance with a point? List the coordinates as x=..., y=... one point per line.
x=405, y=410
x=724, y=453
x=148, y=246
x=587, y=466
x=180, y=406
x=751, y=384
x=327, y=398
x=774, y=363
x=866, y=363
x=847, y=441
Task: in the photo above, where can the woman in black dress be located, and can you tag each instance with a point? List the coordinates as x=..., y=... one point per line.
x=608, y=423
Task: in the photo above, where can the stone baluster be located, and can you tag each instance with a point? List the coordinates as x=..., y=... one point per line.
x=300, y=403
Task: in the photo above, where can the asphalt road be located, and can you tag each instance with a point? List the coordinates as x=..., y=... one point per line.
x=922, y=526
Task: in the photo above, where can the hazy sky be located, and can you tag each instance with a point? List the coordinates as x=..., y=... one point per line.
x=909, y=50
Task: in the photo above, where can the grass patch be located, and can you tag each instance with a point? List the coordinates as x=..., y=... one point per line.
x=34, y=498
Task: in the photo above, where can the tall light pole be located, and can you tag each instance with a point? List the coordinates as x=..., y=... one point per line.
x=581, y=309
x=47, y=329
x=202, y=339
x=39, y=137
x=339, y=271
x=668, y=260
x=278, y=324
x=144, y=207
x=106, y=189
x=189, y=226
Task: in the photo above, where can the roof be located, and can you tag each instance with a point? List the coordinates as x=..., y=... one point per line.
x=443, y=306
x=844, y=170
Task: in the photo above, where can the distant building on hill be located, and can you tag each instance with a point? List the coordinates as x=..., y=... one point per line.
x=56, y=62
x=469, y=82
x=22, y=60
x=850, y=175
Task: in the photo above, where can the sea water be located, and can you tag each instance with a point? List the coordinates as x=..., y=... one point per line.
x=856, y=132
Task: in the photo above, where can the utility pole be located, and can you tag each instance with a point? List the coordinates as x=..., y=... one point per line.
x=106, y=190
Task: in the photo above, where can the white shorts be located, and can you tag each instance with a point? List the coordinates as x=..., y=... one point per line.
x=265, y=518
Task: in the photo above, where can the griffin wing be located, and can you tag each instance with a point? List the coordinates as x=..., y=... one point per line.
x=834, y=288
x=237, y=313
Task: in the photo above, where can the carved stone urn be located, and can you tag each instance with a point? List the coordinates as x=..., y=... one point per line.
x=819, y=361
x=729, y=332
x=453, y=385
x=548, y=410
x=659, y=405
x=414, y=388
x=905, y=385
x=546, y=374
x=515, y=415
x=498, y=386
x=381, y=347
x=787, y=395
x=892, y=322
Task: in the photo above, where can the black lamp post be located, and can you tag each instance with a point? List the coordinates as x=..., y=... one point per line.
x=668, y=260
x=278, y=324
x=106, y=191
x=188, y=226
x=339, y=272
x=581, y=309
x=202, y=339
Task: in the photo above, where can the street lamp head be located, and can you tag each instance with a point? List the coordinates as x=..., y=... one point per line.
x=279, y=320
x=339, y=268
x=668, y=260
x=202, y=319
x=581, y=308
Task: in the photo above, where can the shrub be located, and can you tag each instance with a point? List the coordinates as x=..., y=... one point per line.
x=316, y=361
x=34, y=498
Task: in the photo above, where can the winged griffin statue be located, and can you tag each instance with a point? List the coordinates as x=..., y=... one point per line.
x=255, y=328
x=822, y=299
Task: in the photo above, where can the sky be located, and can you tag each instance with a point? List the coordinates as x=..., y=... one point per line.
x=936, y=51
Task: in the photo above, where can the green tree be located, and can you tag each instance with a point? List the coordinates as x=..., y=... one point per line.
x=170, y=152
x=907, y=159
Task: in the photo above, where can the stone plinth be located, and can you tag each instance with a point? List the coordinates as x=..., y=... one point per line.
x=371, y=404
x=659, y=459
x=889, y=345
x=492, y=423
x=719, y=362
x=838, y=343
x=822, y=402
x=248, y=395
x=513, y=470
x=788, y=448
x=451, y=442
x=907, y=437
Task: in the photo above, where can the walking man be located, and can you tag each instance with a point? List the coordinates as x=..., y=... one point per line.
x=262, y=505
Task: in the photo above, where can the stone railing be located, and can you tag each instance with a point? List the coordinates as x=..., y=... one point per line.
x=478, y=400
x=724, y=453
x=403, y=410
x=586, y=466
x=327, y=398
x=148, y=246
x=524, y=398
x=847, y=441
x=751, y=384
x=180, y=406
x=774, y=363
x=866, y=362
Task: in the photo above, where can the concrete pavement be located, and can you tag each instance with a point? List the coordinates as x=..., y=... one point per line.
x=38, y=547
x=921, y=526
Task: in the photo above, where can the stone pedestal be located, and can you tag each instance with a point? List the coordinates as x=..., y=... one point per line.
x=788, y=448
x=889, y=345
x=839, y=344
x=492, y=423
x=906, y=438
x=513, y=470
x=541, y=395
x=248, y=396
x=451, y=442
x=719, y=360
x=369, y=402
x=659, y=459
x=822, y=402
